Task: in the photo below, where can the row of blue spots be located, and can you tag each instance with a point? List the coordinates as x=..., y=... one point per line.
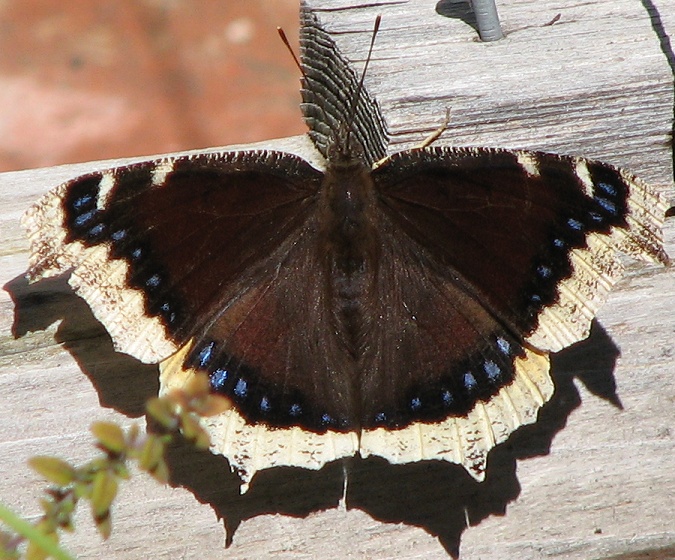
x=86, y=217
x=492, y=376
x=233, y=379
x=606, y=206
x=151, y=283
x=543, y=286
x=604, y=192
x=88, y=224
x=607, y=203
x=93, y=226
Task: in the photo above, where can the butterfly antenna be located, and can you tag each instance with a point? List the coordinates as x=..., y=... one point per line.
x=285, y=41
x=359, y=87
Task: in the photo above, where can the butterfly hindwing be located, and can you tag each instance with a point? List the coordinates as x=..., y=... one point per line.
x=274, y=350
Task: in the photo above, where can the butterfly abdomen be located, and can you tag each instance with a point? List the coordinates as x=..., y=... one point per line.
x=349, y=247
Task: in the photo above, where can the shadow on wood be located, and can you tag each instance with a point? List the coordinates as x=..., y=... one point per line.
x=439, y=497
x=457, y=9
x=122, y=382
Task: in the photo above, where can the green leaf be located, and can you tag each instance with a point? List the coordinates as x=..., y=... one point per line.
x=35, y=537
x=104, y=490
x=53, y=469
x=151, y=453
x=162, y=411
x=110, y=436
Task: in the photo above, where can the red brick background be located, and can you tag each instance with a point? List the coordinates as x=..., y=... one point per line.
x=95, y=79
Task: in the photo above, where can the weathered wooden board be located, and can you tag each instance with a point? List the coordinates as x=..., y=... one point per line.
x=590, y=480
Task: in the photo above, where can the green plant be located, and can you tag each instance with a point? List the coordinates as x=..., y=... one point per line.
x=98, y=480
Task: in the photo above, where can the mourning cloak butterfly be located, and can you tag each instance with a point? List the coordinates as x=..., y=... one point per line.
x=404, y=309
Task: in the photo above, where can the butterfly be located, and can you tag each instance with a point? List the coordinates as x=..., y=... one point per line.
x=403, y=307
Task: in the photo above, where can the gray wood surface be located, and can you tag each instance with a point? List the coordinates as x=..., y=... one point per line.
x=595, y=478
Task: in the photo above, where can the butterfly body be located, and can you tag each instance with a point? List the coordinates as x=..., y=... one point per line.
x=404, y=309
x=348, y=245
x=350, y=298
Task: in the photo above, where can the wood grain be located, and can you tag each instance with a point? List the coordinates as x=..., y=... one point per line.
x=594, y=478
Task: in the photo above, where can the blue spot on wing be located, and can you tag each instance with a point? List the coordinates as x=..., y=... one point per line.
x=504, y=345
x=607, y=188
x=469, y=381
x=575, y=224
x=219, y=379
x=84, y=201
x=265, y=405
x=154, y=281
x=83, y=219
x=118, y=235
x=206, y=354
x=544, y=271
x=241, y=388
x=607, y=205
x=492, y=370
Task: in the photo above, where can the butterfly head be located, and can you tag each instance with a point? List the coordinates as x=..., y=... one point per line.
x=344, y=149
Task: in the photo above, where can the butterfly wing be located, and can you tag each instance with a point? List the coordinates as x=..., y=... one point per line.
x=534, y=236
x=503, y=257
x=156, y=245
x=209, y=263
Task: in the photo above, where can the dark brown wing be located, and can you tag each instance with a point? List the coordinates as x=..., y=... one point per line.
x=273, y=350
x=533, y=237
x=490, y=259
x=159, y=247
x=437, y=349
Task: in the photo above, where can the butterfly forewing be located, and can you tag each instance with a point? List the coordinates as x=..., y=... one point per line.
x=184, y=235
x=509, y=227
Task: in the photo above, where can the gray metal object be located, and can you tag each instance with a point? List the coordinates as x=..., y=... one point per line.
x=487, y=20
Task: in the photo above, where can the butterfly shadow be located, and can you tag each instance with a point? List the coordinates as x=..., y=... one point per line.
x=122, y=382
x=441, y=498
